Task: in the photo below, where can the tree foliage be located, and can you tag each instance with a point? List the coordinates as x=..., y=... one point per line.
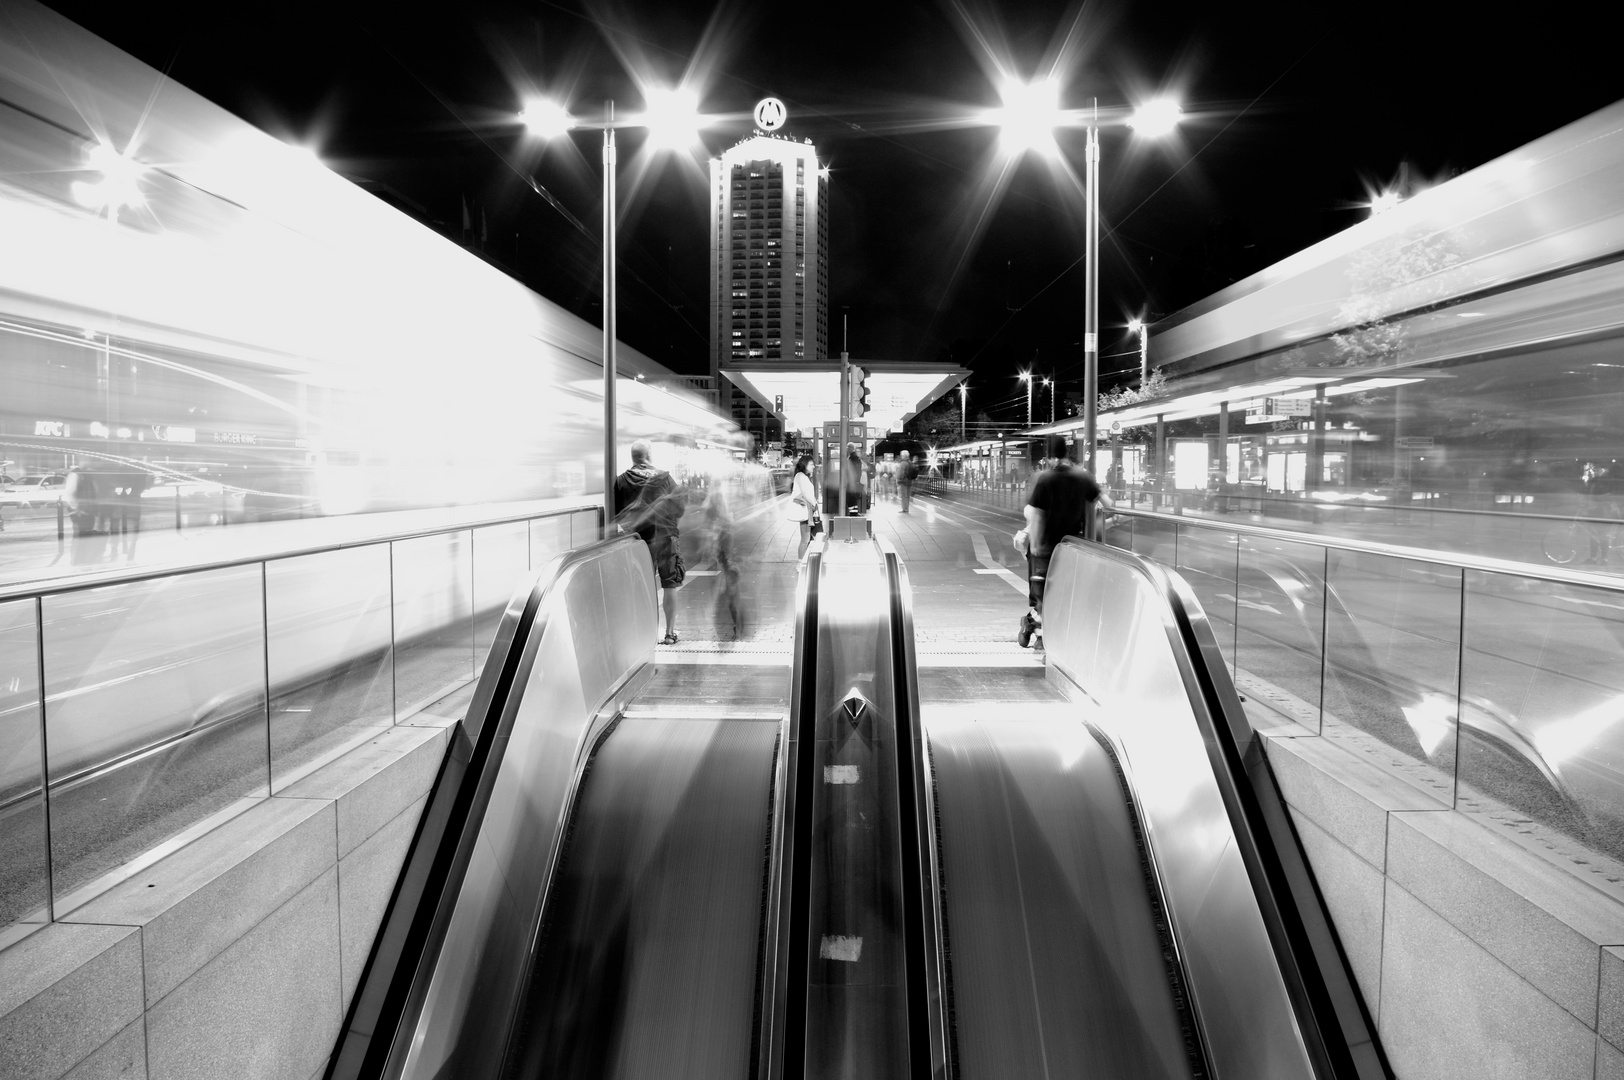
x=1155, y=386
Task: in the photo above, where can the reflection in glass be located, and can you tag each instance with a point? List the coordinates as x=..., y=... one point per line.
x=434, y=619
x=1392, y=664
x=1542, y=717
x=24, y=865
x=328, y=655
x=501, y=564
x=1207, y=563
x=155, y=711
x=1279, y=640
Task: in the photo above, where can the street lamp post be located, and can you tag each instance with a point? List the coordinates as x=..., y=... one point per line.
x=610, y=313
x=964, y=409
x=1151, y=119
x=1048, y=384
x=674, y=111
x=1091, y=290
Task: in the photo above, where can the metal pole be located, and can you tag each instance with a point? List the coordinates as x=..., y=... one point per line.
x=1091, y=300
x=845, y=413
x=1144, y=354
x=610, y=444
x=964, y=410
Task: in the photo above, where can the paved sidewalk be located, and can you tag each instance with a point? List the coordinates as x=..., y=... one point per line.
x=969, y=584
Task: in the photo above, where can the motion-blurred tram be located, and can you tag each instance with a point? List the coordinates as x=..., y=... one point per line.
x=188, y=305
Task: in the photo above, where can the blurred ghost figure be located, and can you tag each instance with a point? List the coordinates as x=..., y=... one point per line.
x=714, y=522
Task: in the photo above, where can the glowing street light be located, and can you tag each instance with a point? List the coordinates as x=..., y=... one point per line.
x=1030, y=114
x=672, y=120
x=1026, y=377
x=1137, y=326
x=1151, y=119
x=1156, y=118
x=964, y=408
x=1048, y=384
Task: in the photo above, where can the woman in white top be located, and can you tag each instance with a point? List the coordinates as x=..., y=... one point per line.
x=803, y=501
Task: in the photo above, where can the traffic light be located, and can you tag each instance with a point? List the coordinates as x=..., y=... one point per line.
x=857, y=391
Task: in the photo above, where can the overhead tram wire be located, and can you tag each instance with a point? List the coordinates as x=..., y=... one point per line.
x=537, y=187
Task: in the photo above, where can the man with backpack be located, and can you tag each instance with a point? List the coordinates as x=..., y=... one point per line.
x=1061, y=503
x=649, y=503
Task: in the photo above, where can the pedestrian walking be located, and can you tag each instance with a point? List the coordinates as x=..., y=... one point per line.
x=907, y=471
x=1063, y=501
x=648, y=501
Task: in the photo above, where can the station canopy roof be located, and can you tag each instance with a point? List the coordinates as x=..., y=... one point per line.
x=1208, y=400
x=811, y=390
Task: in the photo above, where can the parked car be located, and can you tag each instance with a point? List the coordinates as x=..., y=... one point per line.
x=43, y=490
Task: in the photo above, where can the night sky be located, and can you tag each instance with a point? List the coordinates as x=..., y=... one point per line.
x=1295, y=114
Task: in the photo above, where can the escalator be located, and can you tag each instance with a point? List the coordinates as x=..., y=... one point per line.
x=853, y=868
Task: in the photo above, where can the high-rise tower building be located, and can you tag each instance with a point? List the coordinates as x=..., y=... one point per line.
x=769, y=264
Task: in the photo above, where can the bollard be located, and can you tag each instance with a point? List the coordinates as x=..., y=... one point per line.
x=61, y=516
x=177, y=508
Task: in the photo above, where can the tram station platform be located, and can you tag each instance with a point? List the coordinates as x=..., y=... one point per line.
x=1484, y=927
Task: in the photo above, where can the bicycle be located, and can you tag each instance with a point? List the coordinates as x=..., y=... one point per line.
x=1569, y=542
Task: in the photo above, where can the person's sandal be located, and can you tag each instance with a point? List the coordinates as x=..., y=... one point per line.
x=669, y=639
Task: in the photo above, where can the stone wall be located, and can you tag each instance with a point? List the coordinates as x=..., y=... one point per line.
x=237, y=955
x=1478, y=952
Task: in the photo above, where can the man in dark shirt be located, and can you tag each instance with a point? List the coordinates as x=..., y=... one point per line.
x=649, y=503
x=1062, y=502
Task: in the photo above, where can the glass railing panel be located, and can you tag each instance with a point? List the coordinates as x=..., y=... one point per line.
x=583, y=528
x=548, y=537
x=329, y=656
x=155, y=717
x=1119, y=529
x=1156, y=539
x=1393, y=663
x=1206, y=560
x=1280, y=636
x=434, y=620
x=501, y=561
x=24, y=848
x=1542, y=720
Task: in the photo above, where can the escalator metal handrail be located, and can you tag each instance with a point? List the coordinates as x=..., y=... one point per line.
x=395, y=981
x=1336, y=1027
x=783, y=1043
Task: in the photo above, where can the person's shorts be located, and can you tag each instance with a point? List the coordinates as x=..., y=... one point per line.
x=668, y=567
x=1037, y=572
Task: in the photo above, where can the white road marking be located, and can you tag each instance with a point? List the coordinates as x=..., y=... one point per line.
x=840, y=774
x=703, y=573
x=840, y=947
x=978, y=541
